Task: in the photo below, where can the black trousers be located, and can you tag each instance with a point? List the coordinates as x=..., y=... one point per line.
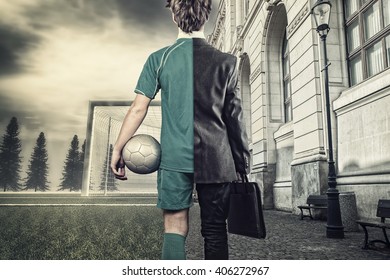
x=214, y=209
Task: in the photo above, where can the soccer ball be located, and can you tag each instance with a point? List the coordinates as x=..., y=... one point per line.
x=142, y=154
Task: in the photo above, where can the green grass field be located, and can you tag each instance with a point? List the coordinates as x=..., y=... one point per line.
x=80, y=232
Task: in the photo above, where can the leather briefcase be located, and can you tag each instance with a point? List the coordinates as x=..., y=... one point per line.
x=245, y=209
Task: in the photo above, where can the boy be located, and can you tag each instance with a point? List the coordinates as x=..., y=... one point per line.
x=203, y=137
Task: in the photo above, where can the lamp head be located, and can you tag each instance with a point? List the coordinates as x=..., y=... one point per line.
x=321, y=11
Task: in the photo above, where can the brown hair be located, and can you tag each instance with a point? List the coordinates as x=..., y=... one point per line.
x=190, y=15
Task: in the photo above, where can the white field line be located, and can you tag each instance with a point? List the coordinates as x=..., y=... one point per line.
x=76, y=204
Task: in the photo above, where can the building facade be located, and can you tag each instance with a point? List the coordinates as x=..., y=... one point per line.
x=283, y=96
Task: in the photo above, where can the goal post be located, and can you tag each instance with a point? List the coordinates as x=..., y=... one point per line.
x=103, y=125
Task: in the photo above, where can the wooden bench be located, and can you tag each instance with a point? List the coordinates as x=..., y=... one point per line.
x=383, y=212
x=314, y=202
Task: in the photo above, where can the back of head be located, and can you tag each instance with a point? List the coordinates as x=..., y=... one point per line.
x=190, y=15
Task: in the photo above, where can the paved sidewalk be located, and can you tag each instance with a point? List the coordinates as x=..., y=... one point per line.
x=288, y=237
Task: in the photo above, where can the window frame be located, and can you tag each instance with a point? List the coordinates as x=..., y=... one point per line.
x=364, y=44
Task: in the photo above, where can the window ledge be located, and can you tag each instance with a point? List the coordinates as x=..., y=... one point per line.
x=360, y=91
x=285, y=131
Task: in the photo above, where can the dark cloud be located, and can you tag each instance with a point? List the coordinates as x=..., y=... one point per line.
x=33, y=119
x=13, y=43
x=92, y=14
x=19, y=109
x=88, y=14
x=150, y=14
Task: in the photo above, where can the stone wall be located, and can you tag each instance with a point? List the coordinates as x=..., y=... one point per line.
x=363, y=129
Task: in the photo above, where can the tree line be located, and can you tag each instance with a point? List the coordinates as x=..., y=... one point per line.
x=38, y=168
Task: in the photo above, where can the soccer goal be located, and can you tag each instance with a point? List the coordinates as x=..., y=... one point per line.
x=104, y=122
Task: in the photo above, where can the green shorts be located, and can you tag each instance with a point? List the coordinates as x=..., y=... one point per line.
x=174, y=189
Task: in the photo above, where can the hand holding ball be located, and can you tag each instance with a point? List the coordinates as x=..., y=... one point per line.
x=142, y=154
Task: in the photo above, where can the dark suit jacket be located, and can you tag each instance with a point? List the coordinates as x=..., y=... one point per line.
x=220, y=139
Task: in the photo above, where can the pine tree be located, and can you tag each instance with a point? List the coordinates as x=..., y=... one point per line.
x=82, y=154
x=10, y=159
x=81, y=167
x=70, y=175
x=38, y=168
x=107, y=175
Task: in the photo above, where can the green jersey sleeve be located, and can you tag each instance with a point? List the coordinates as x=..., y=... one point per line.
x=148, y=83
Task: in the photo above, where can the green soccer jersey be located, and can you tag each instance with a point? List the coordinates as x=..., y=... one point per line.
x=171, y=70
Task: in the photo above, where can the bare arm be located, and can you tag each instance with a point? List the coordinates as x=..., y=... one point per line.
x=131, y=123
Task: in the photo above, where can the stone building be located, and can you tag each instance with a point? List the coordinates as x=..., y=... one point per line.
x=283, y=95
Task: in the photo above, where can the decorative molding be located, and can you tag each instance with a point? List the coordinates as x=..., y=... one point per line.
x=255, y=73
x=297, y=21
x=284, y=132
x=219, y=26
x=243, y=57
x=259, y=168
x=239, y=47
x=238, y=31
x=309, y=159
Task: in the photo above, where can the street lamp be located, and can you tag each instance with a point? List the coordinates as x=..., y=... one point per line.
x=334, y=228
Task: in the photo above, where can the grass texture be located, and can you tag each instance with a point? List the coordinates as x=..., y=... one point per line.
x=80, y=233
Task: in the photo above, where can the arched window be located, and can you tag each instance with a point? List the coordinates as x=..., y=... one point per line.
x=278, y=68
x=286, y=81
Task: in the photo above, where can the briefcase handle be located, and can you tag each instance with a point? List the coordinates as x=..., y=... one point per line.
x=244, y=178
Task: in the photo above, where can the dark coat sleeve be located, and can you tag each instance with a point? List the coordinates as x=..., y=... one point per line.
x=235, y=124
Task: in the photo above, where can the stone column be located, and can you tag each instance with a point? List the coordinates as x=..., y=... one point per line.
x=239, y=12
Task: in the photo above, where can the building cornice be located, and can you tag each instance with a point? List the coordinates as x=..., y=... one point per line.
x=298, y=20
x=218, y=23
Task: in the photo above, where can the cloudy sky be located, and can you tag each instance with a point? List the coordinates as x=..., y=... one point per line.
x=55, y=56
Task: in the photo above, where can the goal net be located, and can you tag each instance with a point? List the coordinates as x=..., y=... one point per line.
x=104, y=122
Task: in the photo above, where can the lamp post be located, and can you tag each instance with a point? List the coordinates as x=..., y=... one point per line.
x=334, y=228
